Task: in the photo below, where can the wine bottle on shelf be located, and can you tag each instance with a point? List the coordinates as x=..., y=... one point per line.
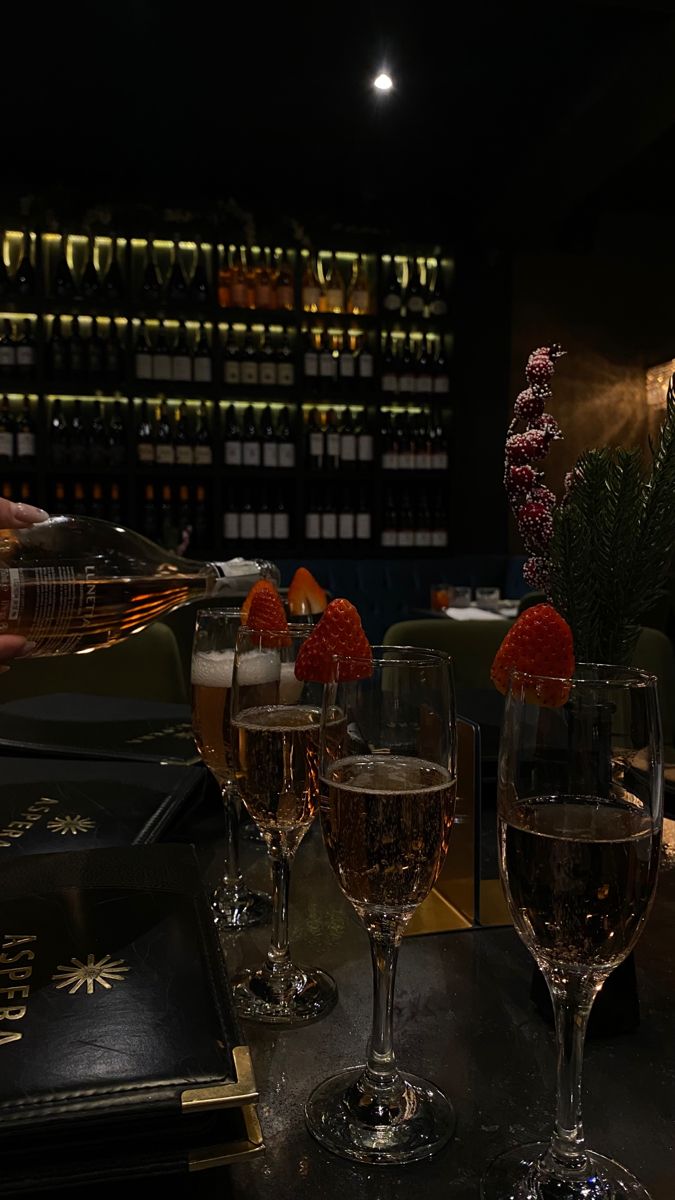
x=8, y=364
x=149, y=516
x=406, y=442
x=76, y=352
x=113, y=353
x=115, y=505
x=58, y=353
x=284, y=284
x=5, y=282
x=161, y=359
x=441, y=378
x=96, y=508
x=423, y=370
x=112, y=287
x=406, y=378
x=247, y=521
x=250, y=274
x=25, y=435
x=203, y=449
x=181, y=359
x=79, y=505
x=225, y=280
x=389, y=367
x=232, y=448
x=424, y=444
x=97, y=448
x=389, y=449
x=270, y=445
x=313, y=519
x=25, y=349
x=406, y=524
x=184, y=449
x=329, y=524
x=231, y=518
x=7, y=431
x=389, y=523
x=286, y=444
x=117, y=436
x=145, y=441
x=77, y=436
x=310, y=361
x=363, y=525
x=62, y=279
x=365, y=361
x=347, y=439
x=267, y=369
x=201, y=522
x=94, y=350
x=143, y=354
x=335, y=288
x=89, y=281
x=150, y=283
x=364, y=441
x=440, y=443
x=184, y=519
x=346, y=363
x=239, y=297
x=310, y=291
x=284, y=363
x=264, y=294
x=438, y=305
x=58, y=435
x=358, y=300
x=232, y=357
x=249, y=362
x=165, y=451
x=439, y=532
x=392, y=298
x=202, y=368
x=422, y=533
x=176, y=289
x=199, y=289
x=327, y=362
x=280, y=521
x=332, y=441
x=414, y=297
x=315, y=441
x=263, y=519
x=250, y=447
x=23, y=281
x=346, y=519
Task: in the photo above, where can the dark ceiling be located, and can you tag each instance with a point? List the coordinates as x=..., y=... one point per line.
x=506, y=115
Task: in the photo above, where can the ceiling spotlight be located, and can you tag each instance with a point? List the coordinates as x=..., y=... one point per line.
x=383, y=82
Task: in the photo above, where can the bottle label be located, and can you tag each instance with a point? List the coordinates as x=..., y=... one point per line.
x=181, y=367
x=441, y=385
x=311, y=361
x=422, y=537
x=280, y=526
x=232, y=371
x=185, y=456
x=247, y=524
x=359, y=301
x=346, y=366
x=270, y=454
x=202, y=372
x=389, y=460
x=389, y=537
x=406, y=383
x=406, y=460
x=365, y=447
x=165, y=455
x=143, y=366
x=285, y=374
x=405, y=537
x=231, y=526
x=145, y=452
x=415, y=304
x=6, y=445
x=439, y=538
x=346, y=526
x=203, y=456
x=334, y=299
x=25, y=356
x=233, y=456
x=333, y=445
x=285, y=298
x=264, y=526
x=438, y=308
x=389, y=382
x=423, y=384
x=46, y=608
x=329, y=526
x=327, y=366
x=366, y=364
x=268, y=374
x=251, y=454
x=348, y=447
x=363, y=526
x=286, y=455
x=25, y=445
x=7, y=356
x=392, y=303
x=316, y=445
x=161, y=366
x=312, y=526
x=249, y=373
x=310, y=298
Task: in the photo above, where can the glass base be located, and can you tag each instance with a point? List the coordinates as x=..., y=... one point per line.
x=345, y=1117
x=517, y=1175
x=239, y=908
x=292, y=996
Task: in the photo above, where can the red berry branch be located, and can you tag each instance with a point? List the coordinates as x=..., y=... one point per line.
x=531, y=501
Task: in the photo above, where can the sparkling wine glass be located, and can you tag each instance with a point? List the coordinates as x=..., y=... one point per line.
x=580, y=815
x=234, y=905
x=387, y=805
x=275, y=739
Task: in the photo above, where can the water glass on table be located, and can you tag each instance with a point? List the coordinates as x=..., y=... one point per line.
x=488, y=597
x=234, y=905
x=387, y=806
x=580, y=815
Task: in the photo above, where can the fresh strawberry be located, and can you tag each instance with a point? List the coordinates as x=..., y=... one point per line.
x=305, y=595
x=266, y=615
x=338, y=632
x=539, y=643
x=262, y=585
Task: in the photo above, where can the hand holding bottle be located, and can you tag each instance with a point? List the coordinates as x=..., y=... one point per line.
x=16, y=516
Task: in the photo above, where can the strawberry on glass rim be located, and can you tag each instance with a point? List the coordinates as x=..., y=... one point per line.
x=261, y=585
x=539, y=645
x=266, y=616
x=338, y=632
x=305, y=595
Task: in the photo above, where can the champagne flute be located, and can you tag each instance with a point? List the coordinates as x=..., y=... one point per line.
x=275, y=727
x=387, y=805
x=234, y=905
x=580, y=815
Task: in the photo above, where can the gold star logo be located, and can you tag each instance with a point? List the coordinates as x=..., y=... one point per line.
x=74, y=825
x=105, y=972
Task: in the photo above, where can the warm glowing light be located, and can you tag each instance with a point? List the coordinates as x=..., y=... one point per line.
x=383, y=82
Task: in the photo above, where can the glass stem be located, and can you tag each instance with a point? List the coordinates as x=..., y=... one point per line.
x=232, y=875
x=381, y=1070
x=278, y=955
x=572, y=1002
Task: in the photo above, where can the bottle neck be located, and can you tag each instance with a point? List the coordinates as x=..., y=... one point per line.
x=239, y=574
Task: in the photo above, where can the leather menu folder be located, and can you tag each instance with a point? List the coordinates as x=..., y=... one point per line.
x=120, y=1052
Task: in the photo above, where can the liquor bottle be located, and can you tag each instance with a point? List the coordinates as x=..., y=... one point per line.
x=112, y=287
x=347, y=439
x=364, y=441
x=89, y=282
x=79, y=505
x=263, y=519
x=184, y=519
x=143, y=356
x=310, y=291
x=225, y=280
x=313, y=519
x=149, y=523
x=270, y=446
x=199, y=289
x=25, y=349
x=315, y=441
x=203, y=450
x=286, y=444
x=358, y=301
x=285, y=365
x=346, y=520
x=327, y=361
x=250, y=273
x=406, y=378
x=264, y=295
x=117, y=436
x=76, y=355
x=62, y=281
x=182, y=439
x=165, y=452
x=389, y=522
x=25, y=435
x=267, y=370
x=406, y=442
x=389, y=367
x=94, y=350
x=232, y=448
x=232, y=356
x=58, y=435
x=201, y=520
x=201, y=366
x=58, y=354
x=439, y=534
x=98, y=438
x=161, y=359
x=113, y=354
x=7, y=349
x=424, y=444
x=440, y=372
x=6, y=432
x=365, y=361
x=115, y=505
x=181, y=359
x=77, y=436
x=59, y=506
x=346, y=363
x=406, y=524
x=150, y=284
x=363, y=518
x=335, y=288
x=423, y=370
x=239, y=284
x=329, y=526
x=440, y=451
x=280, y=521
x=96, y=508
x=23, y=282
x=145, y=442
x=310, y=360
x=231, y=518
x=422, y=534
x=250, y=447
x=284, y=284
x=388, y=444
x=177, y=285
x=5, y=283
x=247, y=522
x=391, y=301
x=414, y=297
x=438, y=305
x=249, y=362
x=332, y=441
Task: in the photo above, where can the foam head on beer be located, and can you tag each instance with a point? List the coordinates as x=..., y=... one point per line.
x=212, y=668
x=259, y=666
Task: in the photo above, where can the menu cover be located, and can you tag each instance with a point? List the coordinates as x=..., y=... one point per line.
x=84, y=726
x=49, y=805
x=118, y=1041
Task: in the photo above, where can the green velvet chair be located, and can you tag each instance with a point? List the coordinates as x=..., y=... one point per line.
x=472, y=644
